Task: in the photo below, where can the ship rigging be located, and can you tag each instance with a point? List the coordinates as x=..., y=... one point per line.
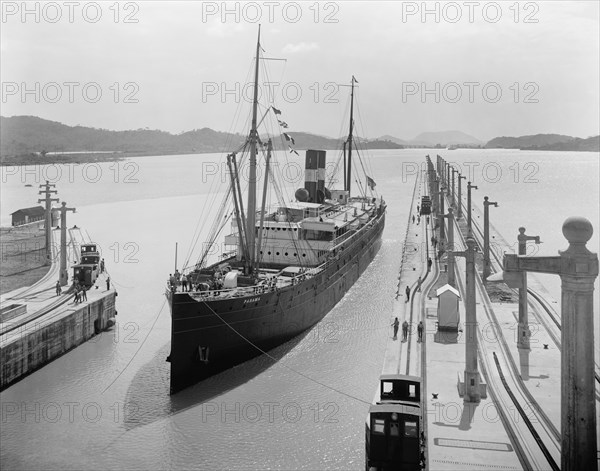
x=288, y=266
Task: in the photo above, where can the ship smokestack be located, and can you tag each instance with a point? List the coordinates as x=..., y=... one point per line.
x=314, y=175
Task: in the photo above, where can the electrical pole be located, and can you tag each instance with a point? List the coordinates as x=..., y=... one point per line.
x=48, y=224
x=469, y=210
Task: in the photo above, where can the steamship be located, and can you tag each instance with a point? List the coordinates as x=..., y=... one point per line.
x=288, y=264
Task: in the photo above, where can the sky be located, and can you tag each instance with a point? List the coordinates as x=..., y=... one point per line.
x=485, y=68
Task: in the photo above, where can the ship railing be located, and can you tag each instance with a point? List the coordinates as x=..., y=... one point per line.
x=264, y=286
x=281, y=281
x=340, y=240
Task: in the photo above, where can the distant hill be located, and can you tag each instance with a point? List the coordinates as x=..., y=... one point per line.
x=591, y=144
x=433, y=139
x=527, y=141
x=21, y=135
x=35, y=137
x=304, y=140
x=558, y=142
x=29, y=139
x=445, y=138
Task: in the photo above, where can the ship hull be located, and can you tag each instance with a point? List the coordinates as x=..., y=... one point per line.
x=211, y=335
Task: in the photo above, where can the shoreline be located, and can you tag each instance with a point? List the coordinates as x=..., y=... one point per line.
x=36, y=159
x=92, y=157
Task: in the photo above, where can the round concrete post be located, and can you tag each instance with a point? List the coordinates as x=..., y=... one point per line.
x=579, y=270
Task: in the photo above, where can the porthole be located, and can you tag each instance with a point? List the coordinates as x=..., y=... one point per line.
x=295, y=254
x=304, y=255
x=269, y=253
x=286, y=254
x=277, y=253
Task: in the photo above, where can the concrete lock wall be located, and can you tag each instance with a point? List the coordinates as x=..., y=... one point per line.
x=42, y=344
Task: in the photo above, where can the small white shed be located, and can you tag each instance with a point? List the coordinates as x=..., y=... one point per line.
x=448, y=313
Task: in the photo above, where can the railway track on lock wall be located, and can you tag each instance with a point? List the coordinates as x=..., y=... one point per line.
x=426, y=282
x=544, y=313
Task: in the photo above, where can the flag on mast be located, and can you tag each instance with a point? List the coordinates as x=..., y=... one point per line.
x=371, y=183
x=289, y=138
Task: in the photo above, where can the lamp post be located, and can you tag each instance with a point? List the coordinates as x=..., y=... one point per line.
x=450, y=248
x=469, y=211
x=460, y=177
x=444, y=171
x=441, y=215
x=448, y=189
x=578, y=270
x=472, y=388
x=454, y=171
x=486, y=235
x=523, y=328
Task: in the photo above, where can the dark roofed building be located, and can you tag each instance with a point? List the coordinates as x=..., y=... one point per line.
x=27, y=215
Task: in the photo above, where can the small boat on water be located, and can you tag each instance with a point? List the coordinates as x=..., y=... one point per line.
x=285, y=266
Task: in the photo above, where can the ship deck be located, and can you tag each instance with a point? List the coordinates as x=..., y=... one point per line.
x=271, y=276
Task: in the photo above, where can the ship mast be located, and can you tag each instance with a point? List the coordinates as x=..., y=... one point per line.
x=349, y=174
x=251, y=220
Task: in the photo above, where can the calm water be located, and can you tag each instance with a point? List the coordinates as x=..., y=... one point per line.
x=105, y=405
